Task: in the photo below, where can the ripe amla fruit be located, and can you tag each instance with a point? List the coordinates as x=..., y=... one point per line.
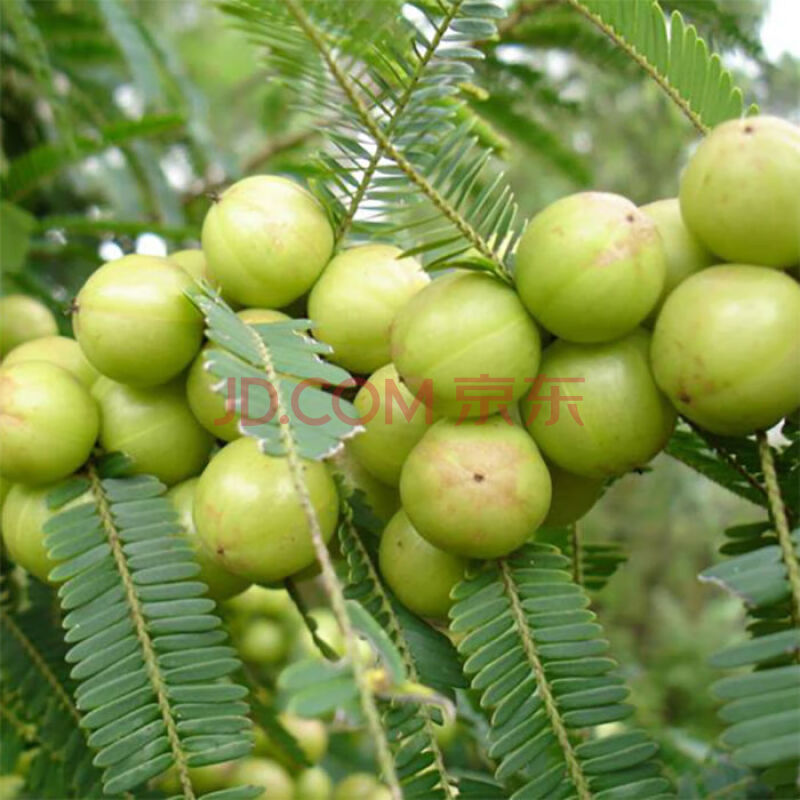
x=476, y=489
x=590, y=267
x=211, y=408
x=266, y=240
x=48, y=423
x=420, y=574
x=25, y=512
x=193, y=262
x=264, y=773
x=726, y=348
x=466, y=330
x=382, y=499
x=134, y=321
x=623, y=419
x=22, y=319
x=573, y=496
x=221, y=583
x=313, y=784
x=153, y=426
x=739, y=193
x=361, y=786
x=356, y=299
x=59, y=350
x=393, y=420
x=684, y=252
x=249, y=517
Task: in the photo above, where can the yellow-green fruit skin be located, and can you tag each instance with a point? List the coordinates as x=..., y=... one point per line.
x=573, y=496
x=382, y=499
x=266, y=241
x=355, y=300
x=739, y=192
x=59, y=350
x=626, y=419
x=264, y=773
x=25, y=512
x=208, y=406
x=48, y=423
x=153, y=426
x=420, y=574
x=475, y=490
x=22, y=319
x=249, y=517
x=221, y=584
x=5, y=488
x=134, y=321
x=393, y=420
x=464, y=325
x=193, y=262
x=361, y=786
x=726, y=348
x=313, y=784
x=684, y=252
x=263, y=642
x=590, y=267
x=311, y=736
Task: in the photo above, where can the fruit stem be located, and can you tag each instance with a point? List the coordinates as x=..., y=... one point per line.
x=778, y=513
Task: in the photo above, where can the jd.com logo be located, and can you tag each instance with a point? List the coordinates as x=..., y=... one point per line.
x=492, y=396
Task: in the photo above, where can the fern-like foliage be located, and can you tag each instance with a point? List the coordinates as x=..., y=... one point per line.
x=535, y=653
x=673, y=54
x=146, y=650
x=400, y=146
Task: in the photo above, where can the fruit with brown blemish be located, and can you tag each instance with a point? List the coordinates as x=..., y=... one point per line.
x=739, y=193
x=249, y=516
x=22, y=319
x=48, y=423
x=59, y=350
x=620, y=419
x=590, y=267
x=726, y=348
x=477, y=489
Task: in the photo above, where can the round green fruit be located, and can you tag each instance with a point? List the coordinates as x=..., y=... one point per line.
x=266, y=241
x=59, y=350
x=48, y=423
x=310, y=734
x=134, y=321
x=25, y=512
x=623, y=419
x=264, y=773
x=153, y=426
x=313, y=784
x=249, y=517
x=5, y=488
x=726, y=348
x=573, y=496
x=221, y=584
x=476, y=490
x=684, y=252
x=22, y=319
x=590, y=267
x=259, y=601
x=465, y=329
x=394, y=421
x=356, y=299
x=216, y=412
x=263, y=642
x=361, y=786
x=420, y=574
x=382, y=499
x=191, y=261
x=739, y=192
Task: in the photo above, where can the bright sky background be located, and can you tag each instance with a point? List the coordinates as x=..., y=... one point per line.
x=781, y=30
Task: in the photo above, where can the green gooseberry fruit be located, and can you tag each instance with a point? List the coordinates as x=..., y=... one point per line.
x=193, y=262
x=266, y=240
x=684, y=252
x=22, y=319
x=393, y=420
x=739, y=192
x=474, y=489
x=48, y=422
x=590, y=267
x=134, y=321
x=260, y=601
x=266, y=774
x=573, y=496
x=222, y=585
x=359, y=786
x=382, y=499
x=249, y=517
x=59, y=350
x=25, y=512
x=209, y=407
x=420, y=574
x=153, y=426
x=466, y=330
x=726, y=349
x=5, y=488
x=263, y=642
x=311, y=736
x=356, y=299
x=313, y=784
x=623, y=419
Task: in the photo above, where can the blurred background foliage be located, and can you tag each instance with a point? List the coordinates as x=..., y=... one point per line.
x=119, y=118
